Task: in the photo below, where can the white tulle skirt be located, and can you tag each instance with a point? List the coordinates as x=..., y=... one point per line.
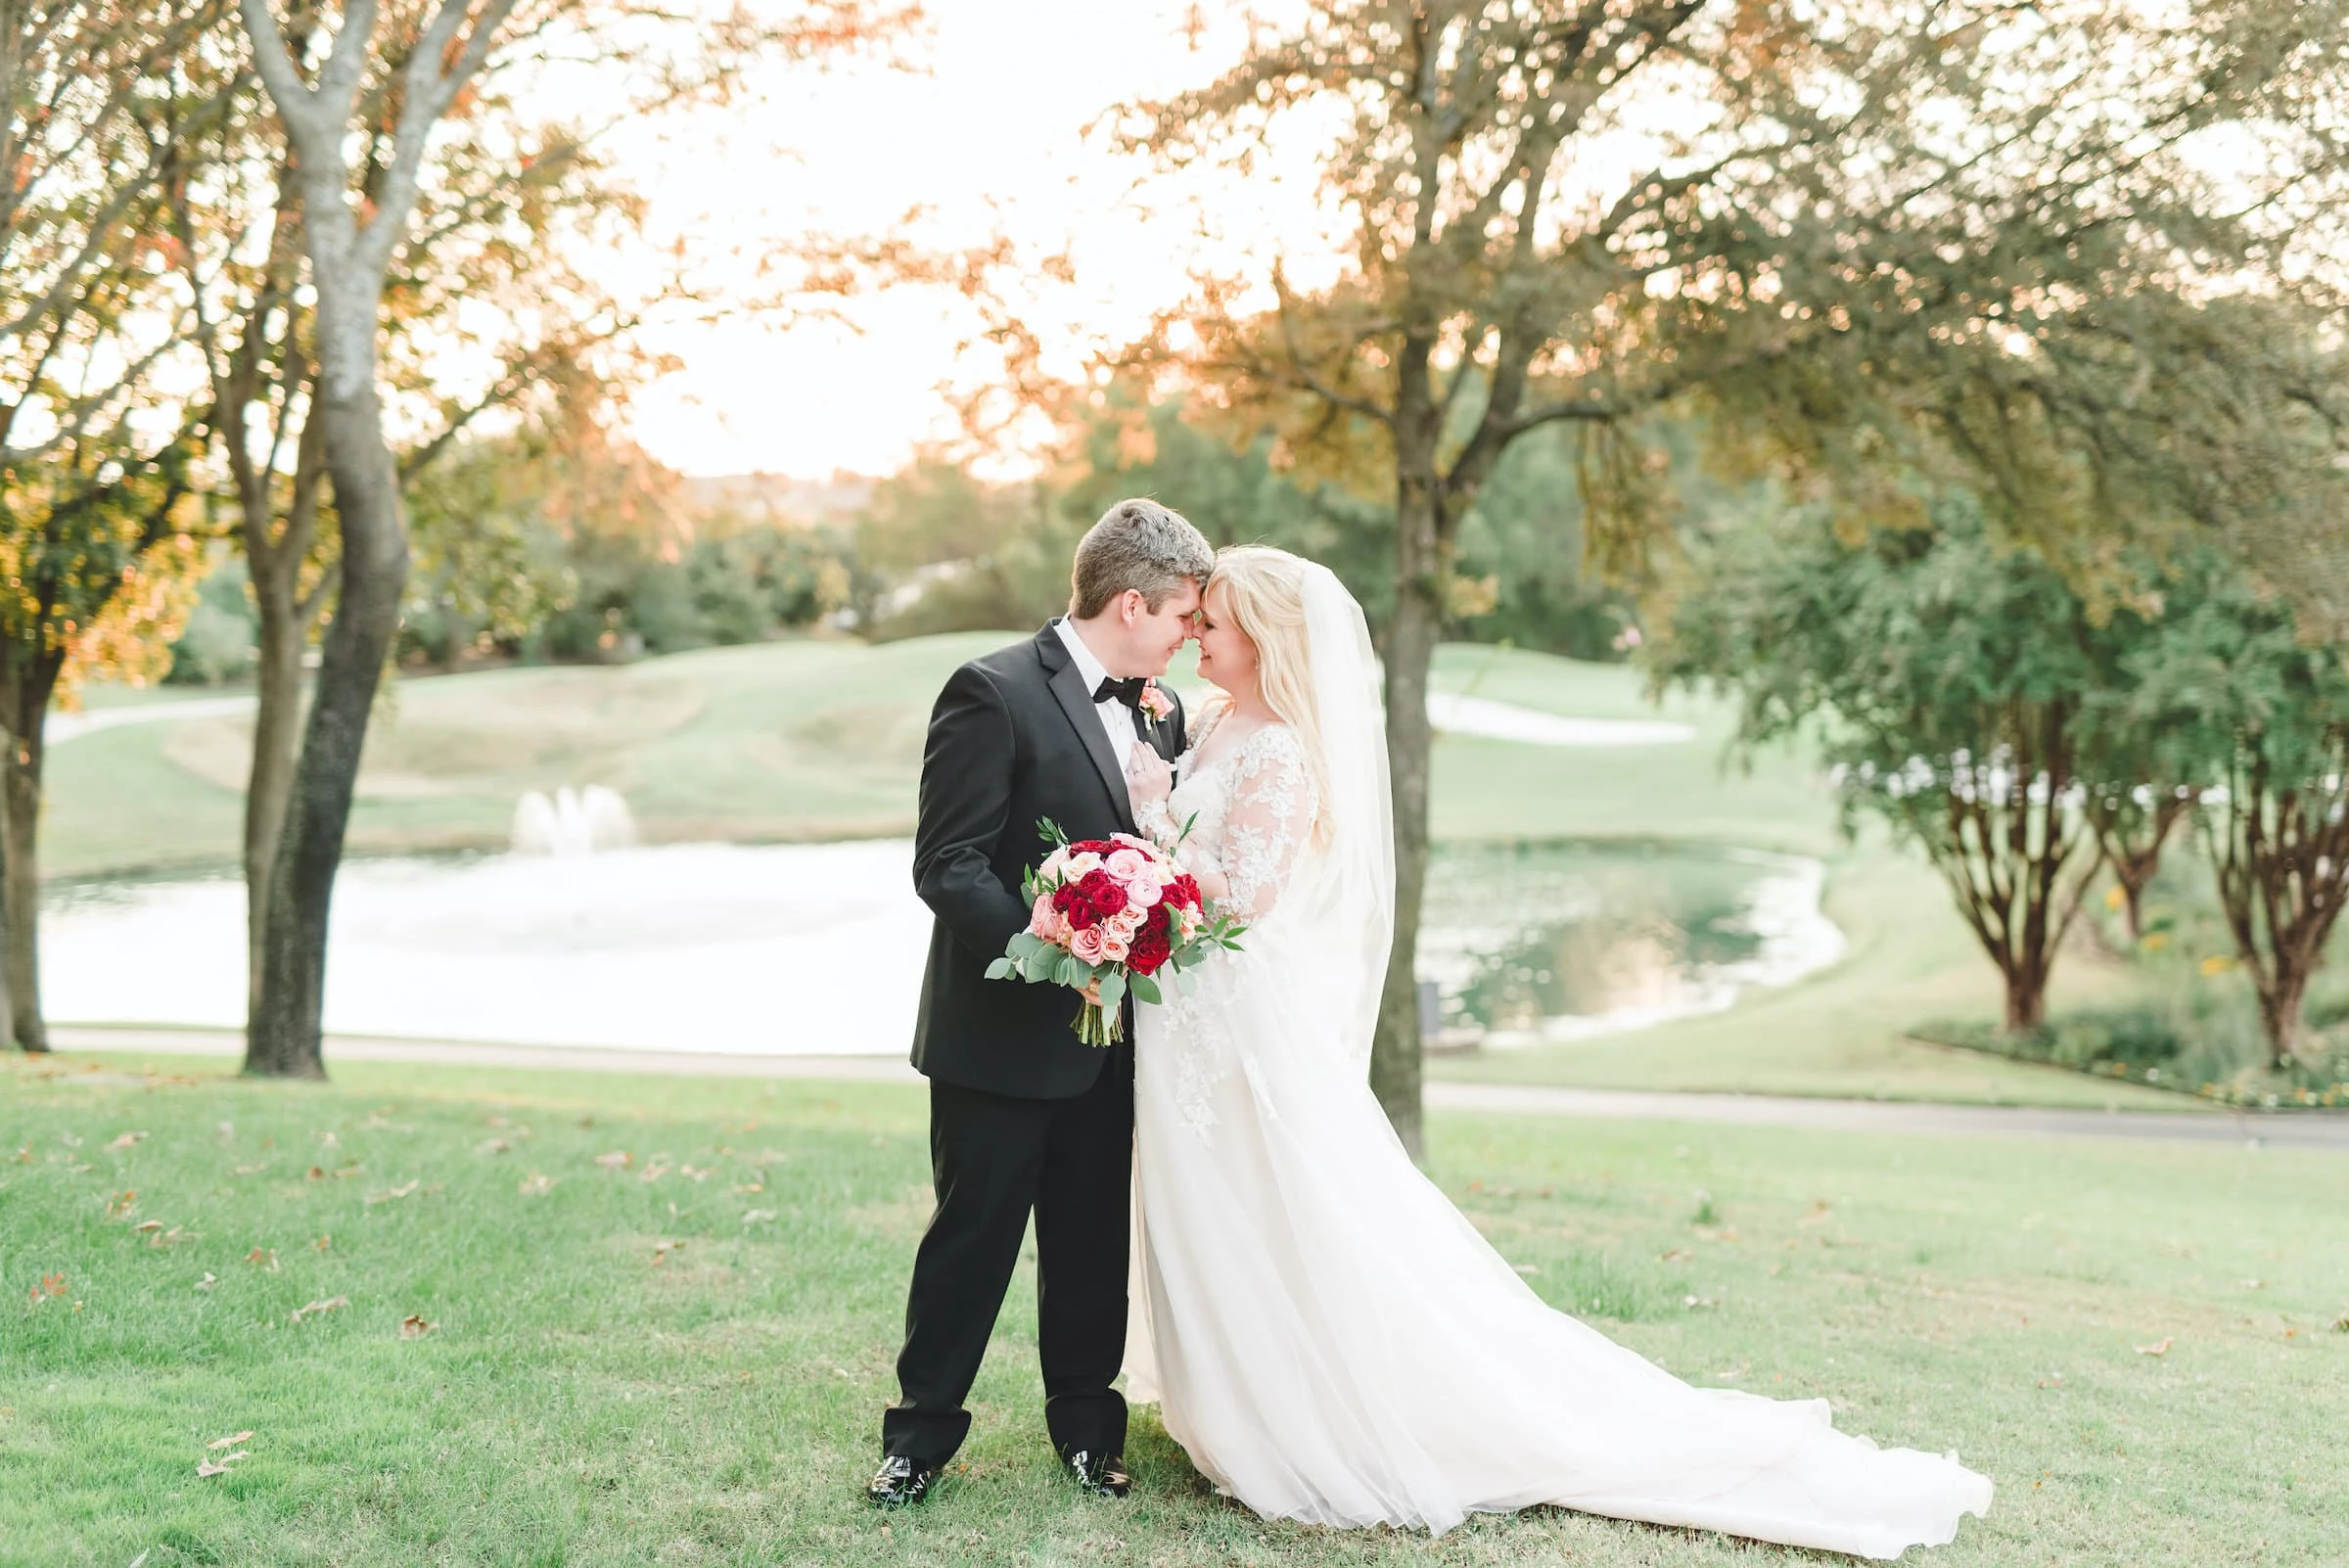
x=1332, y=1342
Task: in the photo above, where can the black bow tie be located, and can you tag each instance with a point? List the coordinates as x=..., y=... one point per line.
x=1128, y=691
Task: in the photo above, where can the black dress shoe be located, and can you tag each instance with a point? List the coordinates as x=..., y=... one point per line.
x=900, y=1483
x=1101, y=1474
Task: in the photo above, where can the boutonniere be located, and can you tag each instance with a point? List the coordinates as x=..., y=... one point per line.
x=1155, y=703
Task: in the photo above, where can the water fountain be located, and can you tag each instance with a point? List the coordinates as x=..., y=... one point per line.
x=572, y=822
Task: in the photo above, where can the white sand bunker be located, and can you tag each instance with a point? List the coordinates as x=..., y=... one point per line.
x=1491, y=720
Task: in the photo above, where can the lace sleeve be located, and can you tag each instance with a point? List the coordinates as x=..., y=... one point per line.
x=1269, y=820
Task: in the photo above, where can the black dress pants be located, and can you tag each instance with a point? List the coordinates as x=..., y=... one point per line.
x=995, y=1159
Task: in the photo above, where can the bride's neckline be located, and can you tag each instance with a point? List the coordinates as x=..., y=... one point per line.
x=1223, y=722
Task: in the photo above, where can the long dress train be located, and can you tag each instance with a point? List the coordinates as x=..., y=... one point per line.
x=1331, y=1341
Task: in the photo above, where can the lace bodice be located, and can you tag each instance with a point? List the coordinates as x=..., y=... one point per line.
x=1251, y=811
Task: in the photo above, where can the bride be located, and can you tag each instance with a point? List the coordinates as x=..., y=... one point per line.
x=1325, y=1335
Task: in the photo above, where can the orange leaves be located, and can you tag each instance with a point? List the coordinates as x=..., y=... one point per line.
x=662, y=1249
x=265, y=1258
x=414, y=1327
x=2160, y=1347
x=126, y=1140
x=51, y=1285
x=617, y=1160
x=319, y=1309
x=123, y=1205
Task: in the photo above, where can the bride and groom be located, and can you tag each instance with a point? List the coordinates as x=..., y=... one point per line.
x=1223, y=1213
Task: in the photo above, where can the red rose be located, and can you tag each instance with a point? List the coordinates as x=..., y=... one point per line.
x=1150, y=948
x=1069, y=900
x=1102, y=894
x=1091, y=847
x=1183, y=891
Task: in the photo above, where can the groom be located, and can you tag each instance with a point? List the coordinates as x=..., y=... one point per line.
x=1022, y=1116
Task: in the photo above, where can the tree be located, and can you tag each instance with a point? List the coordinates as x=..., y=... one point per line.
x=1947, y=678
x=92, y=458
x=2235, y=696
x=359, y=177
x=1562, y=213
x=97, y=551
x=498, y=236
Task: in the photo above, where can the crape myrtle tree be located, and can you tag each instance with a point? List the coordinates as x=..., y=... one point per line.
x=93, y=456
x=2234, y=694
x=1944, y=675
x=1560, y=213
x=361, y=93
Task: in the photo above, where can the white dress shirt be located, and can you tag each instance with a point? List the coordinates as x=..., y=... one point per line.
x=1116, y=720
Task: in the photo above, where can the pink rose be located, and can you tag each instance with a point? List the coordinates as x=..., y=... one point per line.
x=1113, y=947
x=1157, y=704
x=1052, y=869
x=1043, y=919
x=1125, y=865
x=1124, y=923
x=1142, y=892
x=1087, y=945
x=1133, y=843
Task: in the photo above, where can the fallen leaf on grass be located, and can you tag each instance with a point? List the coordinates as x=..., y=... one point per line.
x=209, y=1467
x=50, y=1285
x=1678, y=1255
x=263, y=1258
x=217, y=1444
x=208, y=1281
x=126, y=1140
x=171, y=1237
x=2052, y=1380
x=492, y=1146
x=754, y=1217
x=2160, y=1347
x=536, y=1185
x=1816, y=1214
x=249, y=1170
x=394, y=1194
x=413, y=1326
x=1697, y=1303
x=123, y=1205
x=331, y=1303
x=617, y=1160
x=751, y=1186
x=147, y=1224
x=653, y=1172
x=2340, y=1324
x=347, y=1172
x=2255, y=1284
x=698, y=1175
x=662, y=1249
x=317, y=1173
x=323, y=1244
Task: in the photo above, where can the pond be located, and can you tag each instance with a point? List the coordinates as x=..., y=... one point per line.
x=818, y=948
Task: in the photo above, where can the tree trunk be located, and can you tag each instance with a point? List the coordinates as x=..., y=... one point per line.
x=2280, y=1005
x=276, y=738
x=23, y=732
x=1411, y=645
x=283, y=1037
x=2026, y=997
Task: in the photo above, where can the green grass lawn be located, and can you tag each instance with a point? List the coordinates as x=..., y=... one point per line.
x=812, y=739
x=681, y=1358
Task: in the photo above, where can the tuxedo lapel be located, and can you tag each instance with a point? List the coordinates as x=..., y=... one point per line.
x=1077, y=704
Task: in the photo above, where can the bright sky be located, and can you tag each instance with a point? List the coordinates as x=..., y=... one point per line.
x=988, y=134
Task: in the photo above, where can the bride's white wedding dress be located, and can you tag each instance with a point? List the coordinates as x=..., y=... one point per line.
x=1326, y=1336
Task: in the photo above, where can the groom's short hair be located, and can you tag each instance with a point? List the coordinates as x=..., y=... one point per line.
x=1138, y=545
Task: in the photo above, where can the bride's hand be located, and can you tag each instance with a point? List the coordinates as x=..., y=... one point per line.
x=1148, y=779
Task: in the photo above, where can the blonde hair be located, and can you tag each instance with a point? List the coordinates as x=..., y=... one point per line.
x=1265, y=591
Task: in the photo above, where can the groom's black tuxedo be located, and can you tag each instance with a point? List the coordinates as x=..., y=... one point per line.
x=1013, y=738
x=1022, y=1115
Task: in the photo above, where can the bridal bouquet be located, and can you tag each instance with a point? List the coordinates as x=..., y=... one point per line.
x=1108, y=917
